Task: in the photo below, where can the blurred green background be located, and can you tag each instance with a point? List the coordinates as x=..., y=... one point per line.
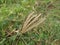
x=13, y=14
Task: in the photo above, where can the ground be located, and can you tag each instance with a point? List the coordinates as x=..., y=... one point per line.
x=13, y=14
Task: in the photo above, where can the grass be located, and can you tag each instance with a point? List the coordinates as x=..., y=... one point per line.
x=15, y=18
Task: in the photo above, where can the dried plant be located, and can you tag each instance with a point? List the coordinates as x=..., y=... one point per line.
x=32, y=20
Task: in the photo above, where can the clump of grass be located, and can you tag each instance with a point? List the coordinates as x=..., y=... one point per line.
x=32, y=20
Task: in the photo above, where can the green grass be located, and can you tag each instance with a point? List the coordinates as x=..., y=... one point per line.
x=12, y=17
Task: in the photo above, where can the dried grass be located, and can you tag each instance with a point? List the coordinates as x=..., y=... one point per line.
x=31, y=22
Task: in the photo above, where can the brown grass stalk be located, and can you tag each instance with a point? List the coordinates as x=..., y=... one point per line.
x=28, y=26
x=28, y=21
x=31, y=22
x=34, y=25
x=29, y=16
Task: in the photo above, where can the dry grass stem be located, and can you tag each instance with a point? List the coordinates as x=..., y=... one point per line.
x=29, y=21
x=29, y=16
x=34, y=25
x=32, y=22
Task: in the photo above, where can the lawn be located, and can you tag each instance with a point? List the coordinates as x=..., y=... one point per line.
x=13, y=14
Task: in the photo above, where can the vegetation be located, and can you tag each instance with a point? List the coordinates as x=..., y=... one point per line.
x=29, y=22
